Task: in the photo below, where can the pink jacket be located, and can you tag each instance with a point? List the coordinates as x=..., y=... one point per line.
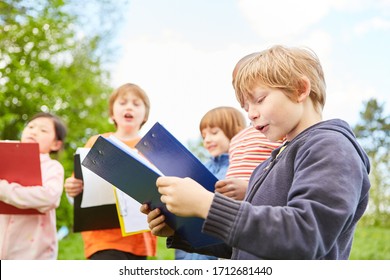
x=28, y=237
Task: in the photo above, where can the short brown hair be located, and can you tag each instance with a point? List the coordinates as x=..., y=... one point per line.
x=282, y=68
x=133, y=88
x=229, y=119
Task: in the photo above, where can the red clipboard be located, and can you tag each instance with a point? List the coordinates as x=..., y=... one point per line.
x=20, y=163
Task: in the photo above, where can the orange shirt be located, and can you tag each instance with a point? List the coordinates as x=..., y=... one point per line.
x=142, y=244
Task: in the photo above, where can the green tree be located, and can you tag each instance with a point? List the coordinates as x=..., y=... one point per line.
x=31, y=48
x=49, y=63
x=373, y=131
x=197, y=148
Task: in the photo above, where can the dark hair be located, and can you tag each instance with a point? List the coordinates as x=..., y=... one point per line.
x=59, y=126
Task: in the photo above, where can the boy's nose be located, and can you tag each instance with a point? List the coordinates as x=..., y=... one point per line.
x=252, y=113
x=206, y=138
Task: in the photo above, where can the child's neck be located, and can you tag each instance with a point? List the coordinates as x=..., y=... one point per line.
x=310, y=118
x=126, y=135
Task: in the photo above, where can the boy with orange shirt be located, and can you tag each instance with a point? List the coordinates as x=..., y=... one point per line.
x=129, y=109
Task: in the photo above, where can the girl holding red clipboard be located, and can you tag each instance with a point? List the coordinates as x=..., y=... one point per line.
x=33, y=236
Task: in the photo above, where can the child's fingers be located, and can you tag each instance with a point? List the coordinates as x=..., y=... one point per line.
x=155, y=219
x=152, y=215
x=220, y=184
x=158, y=229
x=144, y=209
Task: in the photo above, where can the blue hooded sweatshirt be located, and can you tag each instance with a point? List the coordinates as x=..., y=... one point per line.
x=302, y=203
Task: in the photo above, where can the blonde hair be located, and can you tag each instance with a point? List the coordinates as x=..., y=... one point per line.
x=228, y=119
x=282, y=68
x=130, y=88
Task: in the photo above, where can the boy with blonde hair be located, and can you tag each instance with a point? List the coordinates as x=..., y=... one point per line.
x=303, y=202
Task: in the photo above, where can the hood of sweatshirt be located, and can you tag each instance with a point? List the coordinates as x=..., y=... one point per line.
x=344, y=128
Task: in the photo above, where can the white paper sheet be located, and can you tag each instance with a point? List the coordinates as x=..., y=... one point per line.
x=133, y=220
x=97, y=191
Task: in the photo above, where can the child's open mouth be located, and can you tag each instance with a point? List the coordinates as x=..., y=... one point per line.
x=128, y=116
x=262, y=128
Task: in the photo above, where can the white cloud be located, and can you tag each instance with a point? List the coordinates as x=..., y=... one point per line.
x=288, y=19
x=284, y=18
x=376, y=23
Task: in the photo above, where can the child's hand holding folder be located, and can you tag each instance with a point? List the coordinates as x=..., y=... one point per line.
x=181, y=196
x=156, y=221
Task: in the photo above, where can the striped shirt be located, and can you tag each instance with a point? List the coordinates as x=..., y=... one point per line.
x=247, y=150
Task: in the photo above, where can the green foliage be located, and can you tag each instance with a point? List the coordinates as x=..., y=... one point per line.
x=48, y=64
x=196, y=147
x=373, y=131
x=31, y=48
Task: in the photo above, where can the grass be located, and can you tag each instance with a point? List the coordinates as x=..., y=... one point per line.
x=370, y=243
x=71, y=247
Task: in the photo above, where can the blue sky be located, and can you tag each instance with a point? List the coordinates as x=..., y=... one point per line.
x=182, y=52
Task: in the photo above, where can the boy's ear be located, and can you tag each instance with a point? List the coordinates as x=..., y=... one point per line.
x=304, y=89
x=56, y=146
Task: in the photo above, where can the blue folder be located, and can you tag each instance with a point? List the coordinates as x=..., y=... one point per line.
x=130, y=175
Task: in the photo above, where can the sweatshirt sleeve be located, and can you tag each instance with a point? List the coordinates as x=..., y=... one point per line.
x=43, y=198
x=221, y=216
